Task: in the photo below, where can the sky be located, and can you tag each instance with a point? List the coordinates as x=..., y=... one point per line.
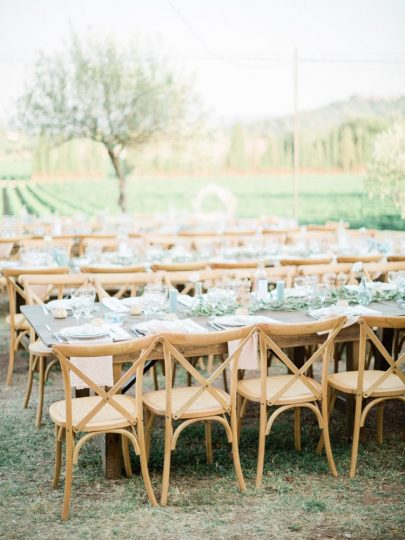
x=239, y=52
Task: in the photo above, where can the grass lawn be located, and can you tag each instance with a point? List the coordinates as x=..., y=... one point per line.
x=323, y=197
x=298, y=500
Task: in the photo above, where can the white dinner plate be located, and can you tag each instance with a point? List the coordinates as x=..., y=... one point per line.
x=132, y=301
x=84, y=331
x=62, y=303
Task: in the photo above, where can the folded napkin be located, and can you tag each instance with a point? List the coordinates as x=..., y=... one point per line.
x=118, y=333
x=351, y=312
x=237, y=321
x=247, y=355
x=97, y=368
x=155, y=326
x=115, y=305
x=186, y=300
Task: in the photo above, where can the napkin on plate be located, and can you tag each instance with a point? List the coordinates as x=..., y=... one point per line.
x=186, y=300
x=351, y=312
x=154, y=326
x=115, y=305
x=97, y=368
x=237, y=321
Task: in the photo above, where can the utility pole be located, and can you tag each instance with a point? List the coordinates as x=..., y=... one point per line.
x=296, y=135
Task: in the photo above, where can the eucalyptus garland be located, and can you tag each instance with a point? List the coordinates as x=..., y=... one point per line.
x=297, y=303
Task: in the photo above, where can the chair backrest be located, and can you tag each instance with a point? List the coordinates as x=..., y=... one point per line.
x=15, y=290
x=368, y=329
x=322, y=270
x=134, y=352
x=187, y=279
x=377, y=270
x=275, y=337
x=6, y=247
x=93, y=269
x=180, y=267
x=37, y=243
x=396, y=258
x=305, y=261
x=173, y=346
x=274, y=274
x=223, y=265
x=49, y=284
x=120, y=284
x=360, y=258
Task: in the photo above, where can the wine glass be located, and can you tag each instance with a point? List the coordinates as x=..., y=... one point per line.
x=153, y=299
x=88, y=295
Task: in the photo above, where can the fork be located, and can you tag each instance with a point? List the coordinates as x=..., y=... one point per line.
x=55, y=334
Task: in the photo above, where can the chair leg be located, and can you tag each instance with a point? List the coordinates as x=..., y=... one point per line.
x=58, y=456
x=210, y=363
x=144, y=465
x=126, y=456
x=235, y=450
x=155, y=377
x=331, y=405
x=380, y=422
x=68, y=475
x=31, y=368
x=208, y=441
x=325, y=405
x=356, y=436
x=167, y=461
x=41, y=390
x=262, y=442
x=297, y=428
x=11, y=359
x=149, y=421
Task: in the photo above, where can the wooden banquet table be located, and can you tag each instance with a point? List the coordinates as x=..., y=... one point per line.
x=110, y=445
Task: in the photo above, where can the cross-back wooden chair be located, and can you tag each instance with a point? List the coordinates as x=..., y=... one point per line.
x=396, y=258
x=107, y=411
x=377, y=386
x=106, y=242
x=333, y=269
x=19, y=328
x=273, y=273
x=6, y=247
x=122, y=284
x=380, y=270
x=203, y=401
x=38, y=289
x=38, y=243
x=186, y=279
x=294, y=390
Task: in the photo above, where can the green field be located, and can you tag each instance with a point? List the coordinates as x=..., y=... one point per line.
x=322, y=197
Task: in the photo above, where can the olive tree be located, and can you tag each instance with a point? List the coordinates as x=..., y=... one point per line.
x=386, y=169
x=100, y=91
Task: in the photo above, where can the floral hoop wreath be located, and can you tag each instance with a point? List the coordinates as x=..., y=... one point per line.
x=227, y=198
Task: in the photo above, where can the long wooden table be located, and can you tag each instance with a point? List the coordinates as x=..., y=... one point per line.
x=110, y=445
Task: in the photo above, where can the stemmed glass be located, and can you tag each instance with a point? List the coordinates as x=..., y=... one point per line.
x=153, y=299
x=76, y=302
x=88, y=295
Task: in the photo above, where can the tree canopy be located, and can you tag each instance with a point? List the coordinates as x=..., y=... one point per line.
x=386, y=170
x=97, y=90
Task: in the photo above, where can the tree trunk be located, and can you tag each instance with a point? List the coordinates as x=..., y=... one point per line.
x=122, y=185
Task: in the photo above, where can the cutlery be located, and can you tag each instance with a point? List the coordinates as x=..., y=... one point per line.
x=45, y=309
x=55, y=335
